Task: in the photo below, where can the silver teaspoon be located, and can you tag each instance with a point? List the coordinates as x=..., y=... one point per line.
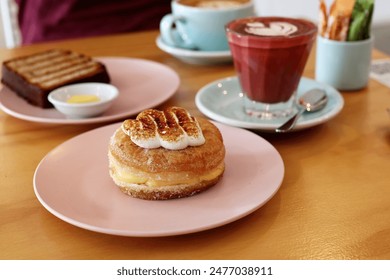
x=311, y=101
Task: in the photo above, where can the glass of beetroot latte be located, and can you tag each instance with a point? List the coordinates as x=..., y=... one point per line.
x=269, y=55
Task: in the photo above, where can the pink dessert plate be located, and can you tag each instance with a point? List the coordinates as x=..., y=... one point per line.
x=72, y=182
x=142, y=84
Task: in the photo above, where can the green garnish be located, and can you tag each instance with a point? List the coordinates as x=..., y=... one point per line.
x=360, y=25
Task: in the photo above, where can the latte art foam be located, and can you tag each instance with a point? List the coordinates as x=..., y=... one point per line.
x=273, y=29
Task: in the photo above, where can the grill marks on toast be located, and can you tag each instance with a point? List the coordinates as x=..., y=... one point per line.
x=34, y=76
x=54, y=68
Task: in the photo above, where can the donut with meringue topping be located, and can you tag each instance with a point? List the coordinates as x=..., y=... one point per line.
x=166, y=154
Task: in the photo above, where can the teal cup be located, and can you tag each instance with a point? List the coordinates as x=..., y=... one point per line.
x=343, y=65
x=197, y=27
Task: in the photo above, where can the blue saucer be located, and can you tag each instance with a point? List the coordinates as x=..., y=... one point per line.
x=195, y=57
x=222, y=101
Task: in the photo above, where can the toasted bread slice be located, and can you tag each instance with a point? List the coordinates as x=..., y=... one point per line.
x=33, y=77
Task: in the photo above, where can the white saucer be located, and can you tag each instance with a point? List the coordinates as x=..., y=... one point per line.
x=195, y=57
x=72, y=182
x=222, y=101
x=142, y=84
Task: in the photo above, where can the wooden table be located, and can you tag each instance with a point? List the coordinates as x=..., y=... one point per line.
x=334, y=202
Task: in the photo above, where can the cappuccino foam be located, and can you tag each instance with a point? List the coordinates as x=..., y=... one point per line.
x=218, y=4
x=214, y=4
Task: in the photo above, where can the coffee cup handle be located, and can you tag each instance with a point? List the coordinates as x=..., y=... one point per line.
x=172, y=35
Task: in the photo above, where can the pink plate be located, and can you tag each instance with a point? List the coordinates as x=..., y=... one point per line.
x=72, y=182
x=142, y=84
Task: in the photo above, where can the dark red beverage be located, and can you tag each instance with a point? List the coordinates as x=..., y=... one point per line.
x=269, y=55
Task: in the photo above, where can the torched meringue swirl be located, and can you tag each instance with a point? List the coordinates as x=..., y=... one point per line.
x=172, y=129
x=273, y=29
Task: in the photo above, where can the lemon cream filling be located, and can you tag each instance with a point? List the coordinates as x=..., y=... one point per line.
x=127, y=177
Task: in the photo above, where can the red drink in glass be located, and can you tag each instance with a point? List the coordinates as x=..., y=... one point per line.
x=269, y=56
